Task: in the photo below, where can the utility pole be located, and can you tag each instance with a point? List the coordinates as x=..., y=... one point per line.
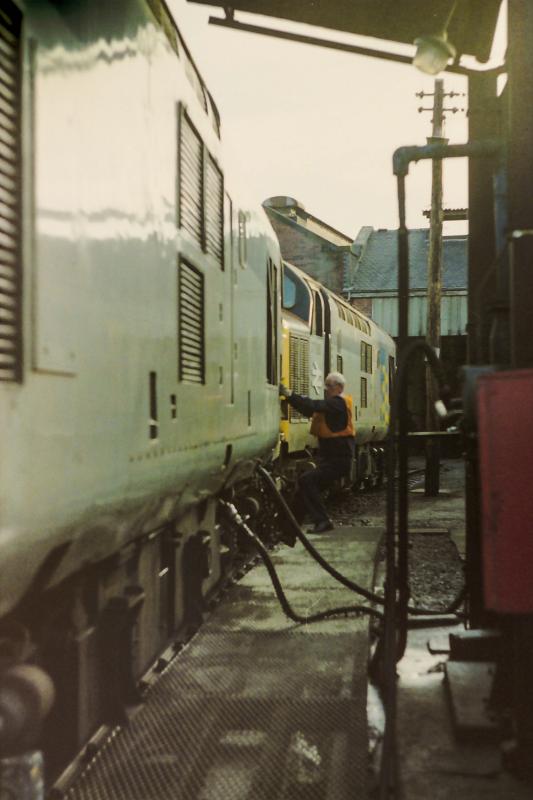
x=434, y=284
x=432, y=474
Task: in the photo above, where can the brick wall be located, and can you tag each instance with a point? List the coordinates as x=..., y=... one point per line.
x=363, y=304
x=322, y=260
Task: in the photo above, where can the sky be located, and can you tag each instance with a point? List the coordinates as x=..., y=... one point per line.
x=321, y=126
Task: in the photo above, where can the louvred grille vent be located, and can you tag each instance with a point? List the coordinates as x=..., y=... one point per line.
x=191, y=180
x=298, y=369
x=191, y=367
x=214, y=211
x=10, y=271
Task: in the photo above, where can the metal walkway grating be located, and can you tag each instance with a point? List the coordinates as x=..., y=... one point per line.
x=270, y=711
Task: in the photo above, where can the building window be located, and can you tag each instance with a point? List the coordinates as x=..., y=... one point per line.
x=339, y=364
x=364, y=398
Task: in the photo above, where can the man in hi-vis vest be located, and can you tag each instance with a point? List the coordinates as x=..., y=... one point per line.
x=332, y=423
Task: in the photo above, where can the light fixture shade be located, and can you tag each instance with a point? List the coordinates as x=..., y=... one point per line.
x=433, y=53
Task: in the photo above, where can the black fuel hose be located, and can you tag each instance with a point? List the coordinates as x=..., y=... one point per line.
x=282, y=506
x=355, y=587
x=235, y=518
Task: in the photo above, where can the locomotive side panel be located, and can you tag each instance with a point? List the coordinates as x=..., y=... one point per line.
x=362, y=352
x=332, y=336
x=149, y=378
x=345, y=359
x=105, y=435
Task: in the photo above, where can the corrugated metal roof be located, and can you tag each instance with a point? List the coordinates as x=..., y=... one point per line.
x=378, y=266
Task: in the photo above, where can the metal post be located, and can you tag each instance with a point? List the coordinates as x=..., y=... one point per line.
x=520, y=178
x=520, y=175
x=403, y=411
x=396, y=611
x=483, y=121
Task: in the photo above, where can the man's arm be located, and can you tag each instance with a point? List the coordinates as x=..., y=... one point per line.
x=307, y=406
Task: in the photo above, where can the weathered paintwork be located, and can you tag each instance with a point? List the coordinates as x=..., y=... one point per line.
x=78, y=469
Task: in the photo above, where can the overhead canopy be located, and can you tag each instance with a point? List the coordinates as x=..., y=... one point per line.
x=471, y=28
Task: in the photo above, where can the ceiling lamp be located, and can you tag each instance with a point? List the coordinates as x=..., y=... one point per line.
x=434, y=52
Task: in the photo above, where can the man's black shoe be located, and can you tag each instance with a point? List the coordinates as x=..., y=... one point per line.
x=322, y=527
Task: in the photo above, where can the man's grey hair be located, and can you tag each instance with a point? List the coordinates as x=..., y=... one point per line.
x=336, y=377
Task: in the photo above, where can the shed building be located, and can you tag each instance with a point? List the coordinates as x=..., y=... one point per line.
x=323, y=252
x=374, y=291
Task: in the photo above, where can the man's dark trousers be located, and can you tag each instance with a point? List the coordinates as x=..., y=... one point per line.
x=315, y=481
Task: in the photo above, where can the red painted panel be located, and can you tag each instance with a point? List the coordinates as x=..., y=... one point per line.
x=505, y=408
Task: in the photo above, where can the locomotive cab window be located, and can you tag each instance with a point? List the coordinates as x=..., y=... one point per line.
x=296, y=297
x=318, y=315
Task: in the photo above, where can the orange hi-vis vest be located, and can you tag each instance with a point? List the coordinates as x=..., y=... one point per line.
x=319, y=427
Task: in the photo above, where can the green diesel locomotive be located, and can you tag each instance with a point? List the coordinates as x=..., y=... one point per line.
x=142, y=342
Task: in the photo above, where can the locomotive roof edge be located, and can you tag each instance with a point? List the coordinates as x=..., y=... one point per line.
x=339, y=299
x=165, y=18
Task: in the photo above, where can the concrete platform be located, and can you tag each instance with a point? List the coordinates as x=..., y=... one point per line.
x=256, y=706
x=435, y=763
